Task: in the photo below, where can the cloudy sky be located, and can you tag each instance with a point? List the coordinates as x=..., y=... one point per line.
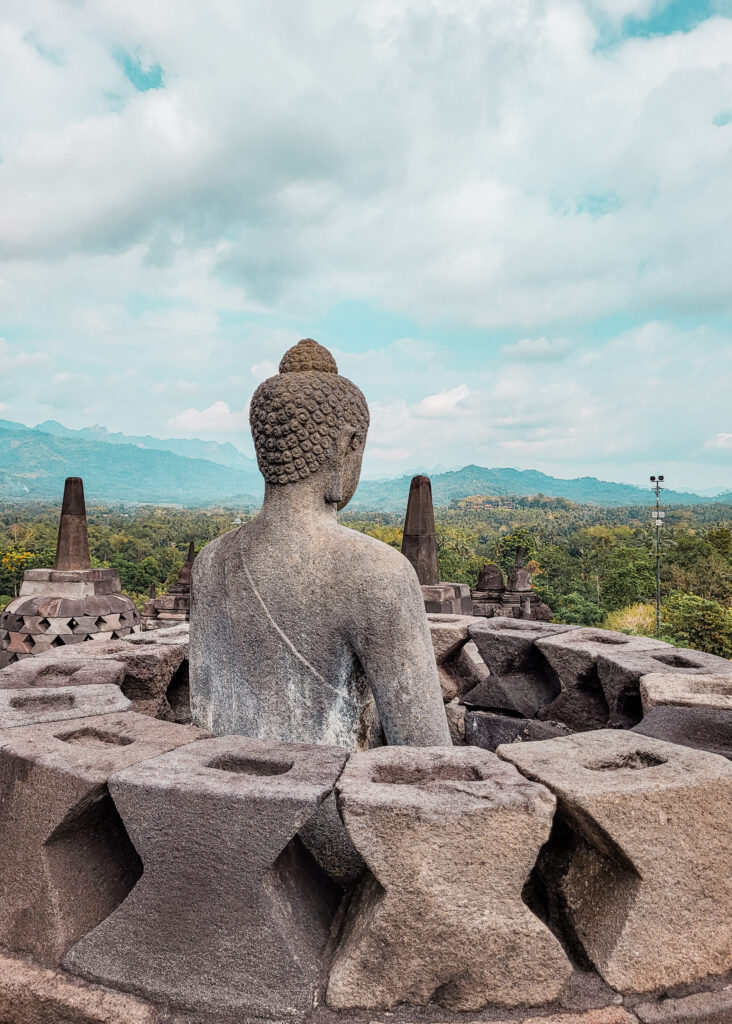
x=511, y=220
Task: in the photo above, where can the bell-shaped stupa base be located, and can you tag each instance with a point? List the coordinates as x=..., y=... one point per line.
x=69, y=603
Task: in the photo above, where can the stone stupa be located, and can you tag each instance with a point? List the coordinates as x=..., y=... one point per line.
x=419, y=546
x=71, y=602
x=173, y=607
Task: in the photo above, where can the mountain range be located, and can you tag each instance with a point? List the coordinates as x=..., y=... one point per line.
x=34, y=462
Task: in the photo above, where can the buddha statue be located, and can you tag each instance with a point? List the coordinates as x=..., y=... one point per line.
x=303, y=630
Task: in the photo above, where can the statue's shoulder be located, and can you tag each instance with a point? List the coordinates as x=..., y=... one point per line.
x=366, y=556
x=215, y=551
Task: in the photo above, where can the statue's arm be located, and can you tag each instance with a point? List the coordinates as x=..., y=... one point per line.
x=392, y=641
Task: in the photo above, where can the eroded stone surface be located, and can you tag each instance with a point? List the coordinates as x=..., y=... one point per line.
x=519, y=680
x=699, y=727
x=71, y=670
x=449, y=633
x=65, y=859
x=35, y=995
x=644, y=882
x=419, y=542
x=54, y=704
x=688, y=691
x=589, y=700
x=701, y=1008
x=620, y=670
x=507, y=644
x=231, y=914
x=450, y=838
x=489, y=731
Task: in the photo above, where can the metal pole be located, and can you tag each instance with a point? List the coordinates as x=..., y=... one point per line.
x=657, y=519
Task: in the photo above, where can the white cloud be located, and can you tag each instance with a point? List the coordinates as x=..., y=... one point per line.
x=444, y=403
x=388, y=151
x=218, y=418
x=389, y=154
x=719, y=441
x=264, y=369
x=537, y=349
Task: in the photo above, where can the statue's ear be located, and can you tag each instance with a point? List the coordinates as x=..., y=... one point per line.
x=333, y=470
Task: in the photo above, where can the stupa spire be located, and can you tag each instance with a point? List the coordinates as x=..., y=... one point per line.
x=419, y=543
x=72, y=547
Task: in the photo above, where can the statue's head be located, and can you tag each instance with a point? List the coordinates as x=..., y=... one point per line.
x=308, y=419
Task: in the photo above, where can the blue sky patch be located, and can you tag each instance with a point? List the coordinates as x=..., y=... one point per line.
x=143, y=78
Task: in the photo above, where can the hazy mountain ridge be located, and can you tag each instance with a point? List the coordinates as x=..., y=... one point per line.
x=391, y=495
x=34, y=461
x=34, y=464
x=190, y=448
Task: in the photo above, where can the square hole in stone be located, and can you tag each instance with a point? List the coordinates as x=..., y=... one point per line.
x=419, y=775
x=676, y=660
x=249, y=765
x=633, y=759
x=94, y=738
x=43, y=702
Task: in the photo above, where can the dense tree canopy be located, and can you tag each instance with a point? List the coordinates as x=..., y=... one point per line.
x=592, y=565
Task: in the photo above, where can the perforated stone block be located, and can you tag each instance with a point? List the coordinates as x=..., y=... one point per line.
x=70, y=670
x=58, y=703
x=621, y=669
x=65, y=859
x=585, y=701
x=450, y=837
x=231, y=914
x=507, y=644
x=643, y=880
x=688, y=691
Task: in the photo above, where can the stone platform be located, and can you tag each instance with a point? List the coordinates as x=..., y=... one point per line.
x=583, y=880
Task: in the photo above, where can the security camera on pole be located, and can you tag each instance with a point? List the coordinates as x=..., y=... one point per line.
x=657, y=517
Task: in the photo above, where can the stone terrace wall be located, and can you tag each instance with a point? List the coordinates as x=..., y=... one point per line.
x=151, y=873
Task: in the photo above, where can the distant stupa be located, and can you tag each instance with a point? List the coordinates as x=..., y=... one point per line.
x=419, y=545
x=174, y=607
x=70, y=603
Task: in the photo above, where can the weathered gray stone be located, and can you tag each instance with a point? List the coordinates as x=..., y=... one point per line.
x=65, y=859
x=645, y=885
x=72, y=545
x=54, y=609
x=507, y=645
x=231, y=914
x=620, y=670
x=700, y=1008
x=71, y=670
x=419, y=543
x=456, y=713
x=519, y=680
x=602, y=1015
x=687, y=691
x=470, y=667
x=489, y=731
x=449, y=633
x=700, y=727
x=521, y=693
x=58, y=703
x=35, y=995
x=450, y=838
x=301, y=628
x=585, y=701
x=150, y=662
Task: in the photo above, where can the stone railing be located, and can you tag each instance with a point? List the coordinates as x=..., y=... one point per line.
x=152, y=873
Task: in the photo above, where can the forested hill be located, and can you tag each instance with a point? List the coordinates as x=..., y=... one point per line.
x=34, y=465
x=391, y=495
